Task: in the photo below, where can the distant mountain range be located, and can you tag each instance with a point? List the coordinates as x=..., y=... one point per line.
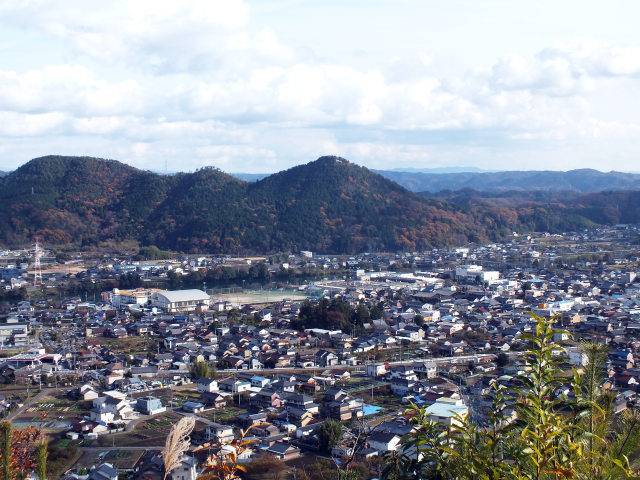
x=329, y=205
x=250, y=177
x=254, y=177
x=452, y=169
x=458, y=178
x=583, y=180
x=3, y=174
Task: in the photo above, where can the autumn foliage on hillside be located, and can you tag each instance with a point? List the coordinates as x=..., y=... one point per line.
x=328, y=205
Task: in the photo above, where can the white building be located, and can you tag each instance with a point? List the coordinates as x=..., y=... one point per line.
x=375, y=370
x=489, y=276
x=186, y=470
x=219, y=433
x=384, y=442
x=207, y=385
x=113, y=406
x=577, y=357
x=468, y=272
x=447, y=411
x=140, y=296
x=181, y=300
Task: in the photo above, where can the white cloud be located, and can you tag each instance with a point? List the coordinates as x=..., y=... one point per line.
x=14, y=124
x=203, y=81
x=598, y=58
x=159, y=33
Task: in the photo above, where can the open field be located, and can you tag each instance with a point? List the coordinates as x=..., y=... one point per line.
x=63, y=454
x=125, y=459
x=382, y=397
x=54, y=409
x=17, y=394
x=171, y=396
x=256, y=297
x=130, y=345
x=225, y=415
x=64, y=268
x=149, y=432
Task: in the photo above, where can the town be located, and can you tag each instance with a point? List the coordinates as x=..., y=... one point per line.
x=282, y=348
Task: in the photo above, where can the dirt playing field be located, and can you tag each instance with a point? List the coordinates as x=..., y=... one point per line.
x=259, y=297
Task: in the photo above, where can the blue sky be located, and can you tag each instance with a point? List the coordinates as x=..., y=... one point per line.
x=259, y=86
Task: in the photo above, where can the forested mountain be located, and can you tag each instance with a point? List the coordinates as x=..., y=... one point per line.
x=75, y=200
x=548, y=211
x=329, y=205
x=3, y=174
x=583, y=180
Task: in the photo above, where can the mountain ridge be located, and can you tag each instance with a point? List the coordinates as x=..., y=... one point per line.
x=329, y=205
x=583, y=180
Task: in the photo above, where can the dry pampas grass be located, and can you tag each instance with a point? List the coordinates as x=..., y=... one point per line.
x=177, y=443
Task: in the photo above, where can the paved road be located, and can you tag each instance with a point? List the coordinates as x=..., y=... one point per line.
x=108, y=449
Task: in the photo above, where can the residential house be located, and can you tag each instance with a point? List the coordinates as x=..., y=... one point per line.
x=219, y=433
x=384, y=442
x=428, y=369
x=447, y=410
x=284, y=451
x=324, y=358
x=104, y=472
x=150, y=405
x=207, y=385
x=113, y=406
x=186, y=469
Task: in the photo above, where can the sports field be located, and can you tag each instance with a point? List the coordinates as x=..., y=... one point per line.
x=258, y=297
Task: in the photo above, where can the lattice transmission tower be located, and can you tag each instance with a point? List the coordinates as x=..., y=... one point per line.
x=37, y=268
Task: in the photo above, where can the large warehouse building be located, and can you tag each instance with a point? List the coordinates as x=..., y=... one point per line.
x=180, y=300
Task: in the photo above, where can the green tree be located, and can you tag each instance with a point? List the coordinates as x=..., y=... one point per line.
x=213, y=371
x=361, y=315
x=41, y=458
x=375, y=312
x=330, y=434
x=610, y=439
x=200, y=370
x=175, y=279
x=502, y=360
x=532, y=433
x=6, y=430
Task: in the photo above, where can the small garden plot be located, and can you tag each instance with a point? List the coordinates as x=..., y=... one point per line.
x=224, y=415
x=156, y=424
x=120, y=459
x=383, y=397
x=123, y=459
x=57, y=407
x=150, y=432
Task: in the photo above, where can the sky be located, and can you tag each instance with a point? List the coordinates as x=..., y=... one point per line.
x=258, y=86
